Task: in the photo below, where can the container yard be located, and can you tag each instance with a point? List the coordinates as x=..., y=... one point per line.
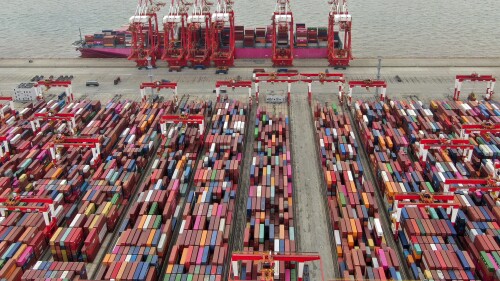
x=207, y=188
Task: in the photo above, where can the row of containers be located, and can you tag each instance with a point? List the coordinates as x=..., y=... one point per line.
x=270, y=225
x=261, y=35
x=89, y=193
x=30, y=172
x=190, y=219
x=360, y=245
x=435, y=245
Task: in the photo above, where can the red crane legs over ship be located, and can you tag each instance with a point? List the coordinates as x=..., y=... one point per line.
x=339, y=17
x=174, y=34
x=200, y=33
x=144, y=29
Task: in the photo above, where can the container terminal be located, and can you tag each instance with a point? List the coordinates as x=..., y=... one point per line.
x=262, y=173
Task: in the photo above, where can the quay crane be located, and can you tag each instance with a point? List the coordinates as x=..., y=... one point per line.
x=339, y=54
x=174, y=30
x=223, y=34
x=144, y=29
x=282, y=34
x=199, y=47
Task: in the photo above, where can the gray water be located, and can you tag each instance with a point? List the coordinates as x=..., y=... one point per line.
x=388, y=28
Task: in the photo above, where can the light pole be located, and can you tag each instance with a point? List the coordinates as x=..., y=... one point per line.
x=379, y=66
x=150, y=73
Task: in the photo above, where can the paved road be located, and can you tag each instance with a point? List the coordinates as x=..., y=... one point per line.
x=313, y=227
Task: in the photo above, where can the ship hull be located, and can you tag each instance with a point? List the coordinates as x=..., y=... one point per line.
x=240, y=53
x=104, y=52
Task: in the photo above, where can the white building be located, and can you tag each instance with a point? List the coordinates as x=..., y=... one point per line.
x=26, y=92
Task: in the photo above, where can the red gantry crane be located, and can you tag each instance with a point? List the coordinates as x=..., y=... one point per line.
x=339, y=53
x=68, y=117
x=12, y=202
x=427, y=144
x=144, y=28
x=4, y=155
x=474, y=77
x=269, y=263
x=282, y=34
x=174, y=29
x=367, y=84
x=223, y=34
x=490, y=184
x=233, y=84
x=50, y=83
x=184, y=119
x=199, y=46
x=422, y=200
x=62, y=141
x=158, y=86
x=6, y=106
x=323, y=78
x=275, y=78
x=482, y=129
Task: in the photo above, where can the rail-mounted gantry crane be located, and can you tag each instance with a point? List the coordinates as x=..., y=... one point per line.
x=474, y=77
x=282, y=34
x=269, y=264
x=144, y=29
x=174, y=29
x=26, y=204
x=199, y=47
x=339, y=23
x=223, y=34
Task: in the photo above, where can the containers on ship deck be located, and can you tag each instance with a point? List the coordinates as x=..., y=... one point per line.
x=201, y=249
x=358, y=235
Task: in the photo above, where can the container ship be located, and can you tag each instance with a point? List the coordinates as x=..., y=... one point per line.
x=205, y=35
x=251, y=43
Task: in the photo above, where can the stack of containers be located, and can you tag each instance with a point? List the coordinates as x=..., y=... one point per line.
x=301, y=35
x=201, y=249
x=427, y=232
x=46, y=270
x=120, y=38
x=249, y=40
x=260, y=35
x=147, y=229
x=322, y=34
x=109, y=41
x=270, y=217
x=99, y=39
x=24, y=236
x=89, y=39
x=239, y=33
x=128, y=39
x=358, y=235
x=269, y=34
x=312, y=35
x=105, y=186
